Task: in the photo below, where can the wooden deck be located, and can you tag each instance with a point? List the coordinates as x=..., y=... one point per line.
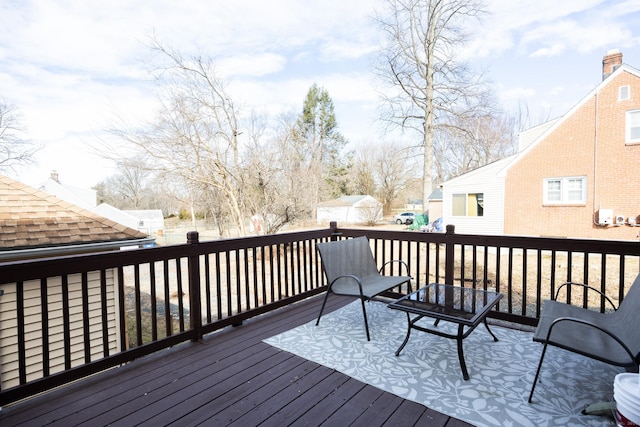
x=230, y=378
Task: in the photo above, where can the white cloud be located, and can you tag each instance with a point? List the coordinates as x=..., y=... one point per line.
x=556, y=90
x=251, y=65
x=70, y=66
x=553, y=50
x=516, y=93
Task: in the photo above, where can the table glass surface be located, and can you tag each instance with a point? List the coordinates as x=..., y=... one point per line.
x=449, y=302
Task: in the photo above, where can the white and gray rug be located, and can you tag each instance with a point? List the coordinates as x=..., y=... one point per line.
x=427, y=371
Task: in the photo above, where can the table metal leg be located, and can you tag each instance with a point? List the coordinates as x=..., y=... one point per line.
x=406, y=339
x=463, y=365
x=486, y=325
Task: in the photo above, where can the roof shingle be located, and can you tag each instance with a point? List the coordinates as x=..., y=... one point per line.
x=30, y=218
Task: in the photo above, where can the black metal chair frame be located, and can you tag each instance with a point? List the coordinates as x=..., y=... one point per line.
x=619, y=328
x=351, y=270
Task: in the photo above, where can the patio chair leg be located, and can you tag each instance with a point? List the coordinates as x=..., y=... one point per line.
x=535, y=380
x=322, y=308
x=366, y=323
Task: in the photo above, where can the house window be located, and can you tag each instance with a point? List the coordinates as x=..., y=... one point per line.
x=624, y=93
x=570, y=190
x=471, y=204
x=633, y=127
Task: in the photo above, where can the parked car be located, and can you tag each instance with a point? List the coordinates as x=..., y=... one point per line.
x=404, y=218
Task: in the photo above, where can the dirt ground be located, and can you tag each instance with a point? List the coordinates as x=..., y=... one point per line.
x=523, y=294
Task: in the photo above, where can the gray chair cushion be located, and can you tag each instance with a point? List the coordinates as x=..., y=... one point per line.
x=587, y=339
x=344, y=261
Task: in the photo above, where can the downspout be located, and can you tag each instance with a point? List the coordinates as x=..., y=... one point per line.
x=595, y=159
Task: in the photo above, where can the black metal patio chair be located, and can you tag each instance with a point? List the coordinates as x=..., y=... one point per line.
x=612, y=337
x=351, y=270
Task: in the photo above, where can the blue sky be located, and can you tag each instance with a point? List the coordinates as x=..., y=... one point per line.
x=72, y=66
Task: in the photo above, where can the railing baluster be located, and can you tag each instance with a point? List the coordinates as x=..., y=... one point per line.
x=66, y=322
x=20, y=318
x=154, y=309
x=218, y=287
x=44, y=318
x=137, y=303
x=538, y=302
x=180, y=292
x=510, y=282
x=238, y=286
x=104, y=312
x=207, y=287
x=85, y=317
x=167, y=301
x=122, y=312
x=525, y=261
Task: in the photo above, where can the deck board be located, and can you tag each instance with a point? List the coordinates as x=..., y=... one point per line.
x=229, y=378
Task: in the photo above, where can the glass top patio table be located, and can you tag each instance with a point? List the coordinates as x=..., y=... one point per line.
x=467, y=307
x=451, y=303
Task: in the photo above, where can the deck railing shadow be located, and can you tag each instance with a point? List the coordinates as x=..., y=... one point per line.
x=65, y=318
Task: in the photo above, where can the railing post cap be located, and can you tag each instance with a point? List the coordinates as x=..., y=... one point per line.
x=193, y=237
x=451, y=229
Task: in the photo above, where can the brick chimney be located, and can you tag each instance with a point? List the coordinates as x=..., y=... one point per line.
x=611, y=61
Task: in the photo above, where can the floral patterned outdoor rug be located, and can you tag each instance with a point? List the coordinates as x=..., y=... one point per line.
x=428, y=372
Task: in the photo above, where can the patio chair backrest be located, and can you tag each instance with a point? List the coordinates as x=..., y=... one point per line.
x=628, y=316
x=347, y=257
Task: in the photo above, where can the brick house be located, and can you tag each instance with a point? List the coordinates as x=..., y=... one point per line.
x=574, y=176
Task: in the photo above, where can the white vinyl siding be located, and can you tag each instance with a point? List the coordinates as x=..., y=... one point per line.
x=33, y=326
x=487, y=181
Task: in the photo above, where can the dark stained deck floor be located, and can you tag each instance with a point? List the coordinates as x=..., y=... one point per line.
x=230, y=378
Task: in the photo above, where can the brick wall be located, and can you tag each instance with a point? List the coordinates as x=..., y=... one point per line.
x=589, y=142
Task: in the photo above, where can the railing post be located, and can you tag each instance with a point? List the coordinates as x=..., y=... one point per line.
x=449, y=255
x=333, y=226
x=195, y=304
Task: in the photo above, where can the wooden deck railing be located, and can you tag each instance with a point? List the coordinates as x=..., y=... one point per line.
x=65, y=318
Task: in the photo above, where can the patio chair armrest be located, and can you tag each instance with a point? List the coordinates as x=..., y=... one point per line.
x=584, y=286
x=593, y=325
x=406, y=266
x=348, y=276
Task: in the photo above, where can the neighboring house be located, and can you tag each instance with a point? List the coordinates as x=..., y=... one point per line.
x=35, y=224
x=474, y=202
x=572, y=177
x=85, y=198
x=350, y=209
x=117, y=215
x=149, y=221
x=434, y=204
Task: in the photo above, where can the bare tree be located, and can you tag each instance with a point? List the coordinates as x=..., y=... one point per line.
x=392, y=171
x=428, y=85
x=15, y=148
x=384, y=169
x=371, y=212
x=195, y=137
x=361, y=175
x=484, y=140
